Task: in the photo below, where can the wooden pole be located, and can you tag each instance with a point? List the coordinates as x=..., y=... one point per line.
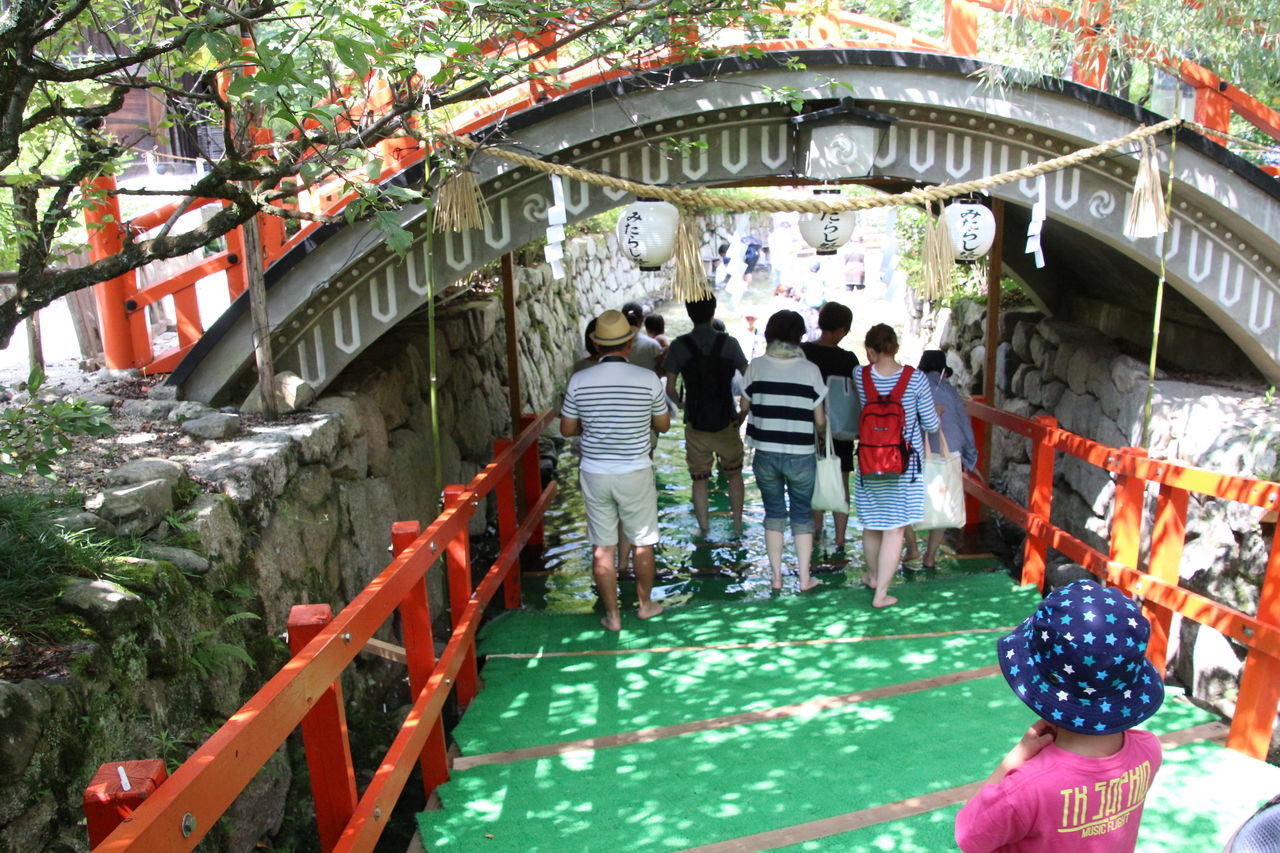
x=995, y=271
x=258, y=312
x=513, y=350
x=35, y=351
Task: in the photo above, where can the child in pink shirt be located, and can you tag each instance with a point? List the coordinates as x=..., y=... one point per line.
x=1077, y=780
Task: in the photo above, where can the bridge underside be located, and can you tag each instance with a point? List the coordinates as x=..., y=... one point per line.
x=718, y=122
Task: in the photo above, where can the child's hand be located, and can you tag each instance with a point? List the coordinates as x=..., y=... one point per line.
x=1036, y=738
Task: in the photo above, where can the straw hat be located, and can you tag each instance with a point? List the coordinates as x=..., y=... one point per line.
x=612, y=329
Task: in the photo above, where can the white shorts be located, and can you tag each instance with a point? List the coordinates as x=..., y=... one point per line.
x=631, y=498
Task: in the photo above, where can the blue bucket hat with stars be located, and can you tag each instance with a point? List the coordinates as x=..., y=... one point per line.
x=1079, y=661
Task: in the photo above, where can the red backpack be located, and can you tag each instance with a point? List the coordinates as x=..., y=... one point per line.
x=882, y=445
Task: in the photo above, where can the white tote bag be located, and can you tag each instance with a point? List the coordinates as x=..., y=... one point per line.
x=943, y=489
x=828, y=484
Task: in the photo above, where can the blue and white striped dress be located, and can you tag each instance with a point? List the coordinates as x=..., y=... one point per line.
x=887, y=501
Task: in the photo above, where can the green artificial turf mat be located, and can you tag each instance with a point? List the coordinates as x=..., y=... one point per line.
x=714, y=785
x=957, y=603
x=930, y=832
x=577, y=697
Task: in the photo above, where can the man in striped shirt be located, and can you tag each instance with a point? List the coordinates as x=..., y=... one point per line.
x=613, y=406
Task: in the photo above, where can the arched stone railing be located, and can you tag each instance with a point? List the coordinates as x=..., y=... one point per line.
x=719, y=122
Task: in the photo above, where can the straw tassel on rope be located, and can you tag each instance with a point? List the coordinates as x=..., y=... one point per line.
x=690, y=283
x=1146, y=215
x=459, y=203
x=938, y=254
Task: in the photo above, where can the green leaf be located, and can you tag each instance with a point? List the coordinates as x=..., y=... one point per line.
x=398, y=239
x=427, y=66
x=352, y=54
x=240, y=86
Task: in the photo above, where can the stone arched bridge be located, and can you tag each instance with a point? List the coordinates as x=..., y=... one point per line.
x=339, y=292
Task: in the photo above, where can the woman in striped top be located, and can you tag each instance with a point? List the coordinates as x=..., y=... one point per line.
x=889, y=503
x=782, y=399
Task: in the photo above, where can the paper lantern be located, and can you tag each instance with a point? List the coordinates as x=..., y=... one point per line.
x=827, y=232
x=972, y=229
x=647, y=232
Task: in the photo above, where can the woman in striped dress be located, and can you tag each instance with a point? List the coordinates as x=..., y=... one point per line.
x=782, y=395
x=889, y=503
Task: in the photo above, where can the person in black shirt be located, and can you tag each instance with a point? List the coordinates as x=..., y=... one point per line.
x=837, y=366
x=709, y=361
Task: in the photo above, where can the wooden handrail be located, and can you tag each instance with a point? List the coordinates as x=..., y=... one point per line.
x=183, y=809
x=1157, y=585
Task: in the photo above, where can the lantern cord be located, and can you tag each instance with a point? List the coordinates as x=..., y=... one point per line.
x=703, y=200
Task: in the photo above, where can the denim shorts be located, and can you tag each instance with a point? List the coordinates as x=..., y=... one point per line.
x=786, y=487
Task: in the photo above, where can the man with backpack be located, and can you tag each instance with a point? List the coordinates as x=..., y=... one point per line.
x=708, y=361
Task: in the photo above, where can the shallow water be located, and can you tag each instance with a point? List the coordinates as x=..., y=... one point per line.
x=689, y=566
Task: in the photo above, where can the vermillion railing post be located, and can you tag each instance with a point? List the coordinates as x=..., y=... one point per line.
x=324, y=736
x=458, y=554
x=1089, y=60
x=237, y=274
x=960, y=27
x=420, y=658
x=1167, y=538
x=1039, y=504
x=1259, y=697
x=1213, y=111
x=108, y=802
x=543, y=80
x=506, y=491
x=531, y=462
x=1126, y=513
x=126, y=340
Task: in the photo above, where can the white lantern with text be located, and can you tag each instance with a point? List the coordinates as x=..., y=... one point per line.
x=647, y=232
x=827, y=232
x=972, y=229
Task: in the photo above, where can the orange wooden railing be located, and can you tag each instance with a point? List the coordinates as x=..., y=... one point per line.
x=1216, y=99
x=1153, y=576
x=155, y=814
x=122, y=304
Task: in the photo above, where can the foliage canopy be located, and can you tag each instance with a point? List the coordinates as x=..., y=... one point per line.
x=299, y=68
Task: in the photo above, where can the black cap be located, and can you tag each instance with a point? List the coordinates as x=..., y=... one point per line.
x=933, y=361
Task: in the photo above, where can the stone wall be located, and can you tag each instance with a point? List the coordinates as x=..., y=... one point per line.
x=263, y=517
x=1093, y=389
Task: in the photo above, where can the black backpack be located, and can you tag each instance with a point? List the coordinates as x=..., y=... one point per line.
x=708, y=384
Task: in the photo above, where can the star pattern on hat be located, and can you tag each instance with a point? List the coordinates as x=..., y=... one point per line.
x=1067, y=678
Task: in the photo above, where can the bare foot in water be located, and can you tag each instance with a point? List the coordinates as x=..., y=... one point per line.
x=805, y=587
x=866, y=581
x=612, y=623
x=887, y=601
x=650, y=610
x=775, y=581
